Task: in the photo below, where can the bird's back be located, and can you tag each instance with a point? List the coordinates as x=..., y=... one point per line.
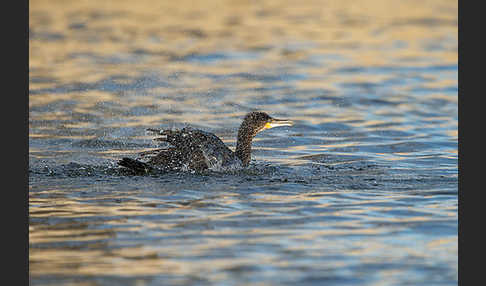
x=192, y=149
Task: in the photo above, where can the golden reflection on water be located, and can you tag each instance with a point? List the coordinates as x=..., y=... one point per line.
x=75, y=47
x=169, y=29
x=164, y=257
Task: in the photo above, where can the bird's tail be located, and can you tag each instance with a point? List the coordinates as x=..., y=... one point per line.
x=136, y=166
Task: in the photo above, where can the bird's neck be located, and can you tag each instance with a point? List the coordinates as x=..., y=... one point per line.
x=243, y=144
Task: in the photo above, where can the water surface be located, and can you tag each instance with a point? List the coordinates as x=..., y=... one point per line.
x=362, y=190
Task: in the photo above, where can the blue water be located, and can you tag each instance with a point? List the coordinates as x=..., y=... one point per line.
x=362, y=190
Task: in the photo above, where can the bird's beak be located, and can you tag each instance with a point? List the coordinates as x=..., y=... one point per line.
x=277, y=123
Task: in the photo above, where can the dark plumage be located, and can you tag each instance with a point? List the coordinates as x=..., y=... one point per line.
x=194, y=149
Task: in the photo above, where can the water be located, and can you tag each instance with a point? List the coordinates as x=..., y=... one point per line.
x=362, y=190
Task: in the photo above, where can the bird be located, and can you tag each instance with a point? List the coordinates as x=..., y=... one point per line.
x=191, y=149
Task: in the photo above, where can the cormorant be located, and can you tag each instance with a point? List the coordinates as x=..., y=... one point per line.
x=194, y=149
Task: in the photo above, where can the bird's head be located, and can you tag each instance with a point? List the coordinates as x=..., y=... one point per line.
x=258, y=121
